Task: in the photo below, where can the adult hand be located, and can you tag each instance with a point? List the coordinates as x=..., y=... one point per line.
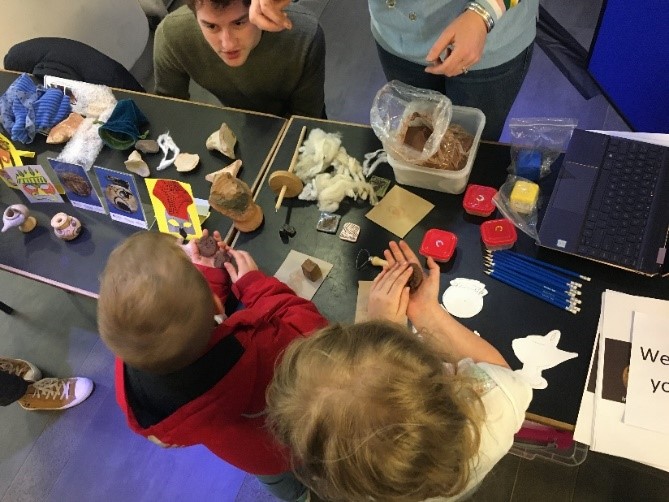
x=389, y=294
x=193, y=251
x=268, y=15
x=244, y=263
x=466, y=36
x=425, y=297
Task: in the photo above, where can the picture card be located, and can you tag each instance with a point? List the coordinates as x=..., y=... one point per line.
x=122, y=196
x=290, y=272
x=175, y=208
x=34, y=182
x=647, y=403
x=78, y=186
x=399, y=211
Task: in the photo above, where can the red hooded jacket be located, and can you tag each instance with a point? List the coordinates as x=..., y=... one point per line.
x=229, y=419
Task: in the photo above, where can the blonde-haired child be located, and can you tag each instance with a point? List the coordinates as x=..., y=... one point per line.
x=181, y=378
x=374, y=412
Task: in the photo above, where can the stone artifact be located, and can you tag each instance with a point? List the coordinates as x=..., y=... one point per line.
x=233, y=198
x=186, y=162
x=223, y=140
x=416, y=277
x=233, y=169
x=135, y=164
x=311, y=270
x=18, y=215
x=63, y=131
x=207, y=246
x=147, y=146
x=66, y=227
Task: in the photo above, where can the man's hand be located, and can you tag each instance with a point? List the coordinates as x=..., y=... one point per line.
x=466, y=36
x=389, y=294
x=268, y=15
x=244, y=263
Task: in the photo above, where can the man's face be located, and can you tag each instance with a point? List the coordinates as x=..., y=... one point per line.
x=228, y=31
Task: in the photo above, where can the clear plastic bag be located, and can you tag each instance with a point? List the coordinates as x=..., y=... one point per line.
x=536, y=143
x=520, y=207
x=401, y=111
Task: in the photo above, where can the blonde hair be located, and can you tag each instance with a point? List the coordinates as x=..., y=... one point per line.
x=368, y=411
x=155, y=310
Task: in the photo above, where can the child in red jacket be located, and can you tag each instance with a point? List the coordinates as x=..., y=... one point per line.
x=181, y=378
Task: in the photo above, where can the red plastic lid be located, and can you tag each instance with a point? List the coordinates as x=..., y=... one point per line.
x=498, y=234
x=478, y=200
x=439, y=244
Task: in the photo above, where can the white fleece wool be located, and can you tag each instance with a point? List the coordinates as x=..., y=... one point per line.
x=329, y=173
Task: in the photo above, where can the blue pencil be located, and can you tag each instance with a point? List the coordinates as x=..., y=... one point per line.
x=537, y=281
x=537, y=288
x=565, y=271
x=534, y=274
x=520, y=263
x=568, y=308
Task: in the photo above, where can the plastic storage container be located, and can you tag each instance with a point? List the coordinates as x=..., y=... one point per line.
x=498, y=234
x=439, y=244
x=473, y=121
x=478, y=200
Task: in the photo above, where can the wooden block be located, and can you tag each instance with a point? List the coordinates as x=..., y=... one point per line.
x=311, y=270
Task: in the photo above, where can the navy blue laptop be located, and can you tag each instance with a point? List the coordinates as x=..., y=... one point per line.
x=611, y=202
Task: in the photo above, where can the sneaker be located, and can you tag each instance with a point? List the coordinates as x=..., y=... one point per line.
x=56, y=393
x=19, y=367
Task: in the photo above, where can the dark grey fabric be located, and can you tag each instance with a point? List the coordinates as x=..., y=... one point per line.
x=62, y=57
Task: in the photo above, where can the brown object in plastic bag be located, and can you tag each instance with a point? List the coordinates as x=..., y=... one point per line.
x=453, y=150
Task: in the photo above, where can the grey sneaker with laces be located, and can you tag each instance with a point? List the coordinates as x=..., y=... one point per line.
x=19, y=367
x=56, y=393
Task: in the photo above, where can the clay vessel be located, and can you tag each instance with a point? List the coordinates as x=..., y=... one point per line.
x=233, y=198
x=18, y=215
x=66, y=227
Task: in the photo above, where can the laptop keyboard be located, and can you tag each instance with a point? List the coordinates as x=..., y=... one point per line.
x=619, y=208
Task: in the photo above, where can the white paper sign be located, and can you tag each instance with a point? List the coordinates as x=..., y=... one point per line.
x=647, y=402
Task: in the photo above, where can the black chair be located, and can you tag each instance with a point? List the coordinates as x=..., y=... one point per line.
x=62, y=57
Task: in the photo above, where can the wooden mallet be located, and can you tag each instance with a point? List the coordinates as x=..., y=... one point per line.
x=285, y=183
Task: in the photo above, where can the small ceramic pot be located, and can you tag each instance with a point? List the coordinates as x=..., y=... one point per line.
x=17, y=215
x=66, y=227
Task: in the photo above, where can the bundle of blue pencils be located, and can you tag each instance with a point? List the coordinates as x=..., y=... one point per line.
x=555, y=285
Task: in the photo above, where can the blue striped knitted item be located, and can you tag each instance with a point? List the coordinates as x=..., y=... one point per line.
x=26, y=108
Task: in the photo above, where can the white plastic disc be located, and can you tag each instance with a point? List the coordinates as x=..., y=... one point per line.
x=462, y=302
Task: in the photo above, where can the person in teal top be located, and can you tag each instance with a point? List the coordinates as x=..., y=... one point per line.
x=476, y=53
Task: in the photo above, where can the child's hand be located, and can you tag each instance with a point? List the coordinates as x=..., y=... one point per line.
x=389, y=294
x=425, y=297
x=244, y=262
x=193, y=250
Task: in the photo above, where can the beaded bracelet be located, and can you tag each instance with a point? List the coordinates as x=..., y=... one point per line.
x=487, y=18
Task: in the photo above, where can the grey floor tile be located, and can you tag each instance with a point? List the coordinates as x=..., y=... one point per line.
x=498, y=485
x=545, y=481
x=603, y=477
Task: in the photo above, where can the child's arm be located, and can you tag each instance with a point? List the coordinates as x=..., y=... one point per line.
x=271, y=299
x=217, y=278
x=437, y=327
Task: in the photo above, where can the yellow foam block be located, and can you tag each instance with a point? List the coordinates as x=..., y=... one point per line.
x=524, y=196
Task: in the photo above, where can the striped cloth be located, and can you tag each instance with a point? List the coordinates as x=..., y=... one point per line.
x=27, y=108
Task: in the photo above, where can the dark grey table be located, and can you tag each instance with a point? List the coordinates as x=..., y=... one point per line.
x=507, y=313
x=76, y=265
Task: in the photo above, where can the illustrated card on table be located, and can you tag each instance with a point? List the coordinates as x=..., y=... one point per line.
x=399, y=211
x=78, y=186
x=34, y=183
x=290, y=272
x=175, y=208
x=122, y=196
